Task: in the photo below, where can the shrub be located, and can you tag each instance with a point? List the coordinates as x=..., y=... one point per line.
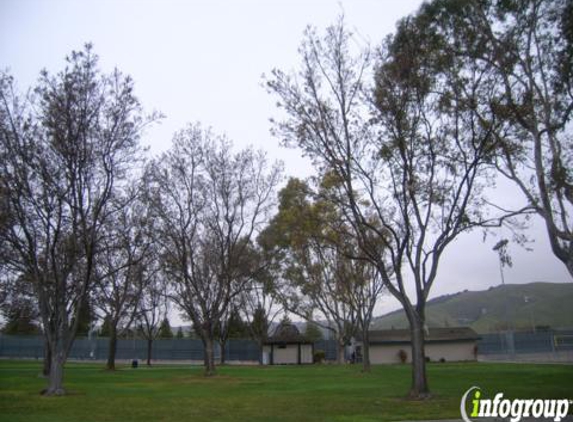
x=402, y=355
x=319, y=356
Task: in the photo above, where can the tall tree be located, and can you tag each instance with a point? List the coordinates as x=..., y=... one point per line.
x=210, y=203
x=63, y=152
x=524, y=51
x=409, y=173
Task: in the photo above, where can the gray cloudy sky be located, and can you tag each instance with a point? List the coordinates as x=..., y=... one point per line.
x=203, y=61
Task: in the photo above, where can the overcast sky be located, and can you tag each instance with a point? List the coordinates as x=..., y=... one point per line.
x=203, y=61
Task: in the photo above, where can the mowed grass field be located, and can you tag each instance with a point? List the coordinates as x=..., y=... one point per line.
x=250, y=393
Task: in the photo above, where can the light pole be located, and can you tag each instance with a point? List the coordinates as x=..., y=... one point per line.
x=505, y=259
x=526, y=300
x=91, y=342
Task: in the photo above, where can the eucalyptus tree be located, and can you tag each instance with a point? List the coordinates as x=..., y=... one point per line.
x=524, y=52
x=314, y=272
x=209, y=203
x=64, y=150
x=409, y=156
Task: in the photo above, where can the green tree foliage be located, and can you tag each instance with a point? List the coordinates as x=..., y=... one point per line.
x=306, y=236
x=236, y=326
x=259, y=326
x=21, y=318
x=522, y=51
x=320, y=261
x=312, y=332
x=86, y=318
x=165, y=329
x=286, y=319
x=179, y=334
x=105, y=329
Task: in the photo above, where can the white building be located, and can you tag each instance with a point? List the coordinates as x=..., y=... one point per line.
x=287, y=347
x=441, y=345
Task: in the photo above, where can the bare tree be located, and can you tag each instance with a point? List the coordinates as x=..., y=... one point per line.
x=124, y=250
x=210, y=204
x=153, y=305
x=64, y=151
x=259, y=303
x=409, y=173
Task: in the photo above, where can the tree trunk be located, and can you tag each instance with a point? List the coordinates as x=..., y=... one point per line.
x=223, y=350
x=365, y=351
x=209, y=344
x=110, y=366
x=56, y=377
x=47, y=359
x=261, y=351
x=149, y=346
x=419, y=389
x=341, y=352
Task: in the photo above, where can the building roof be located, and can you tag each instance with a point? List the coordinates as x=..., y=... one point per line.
x=438, y=334
x=286, y=333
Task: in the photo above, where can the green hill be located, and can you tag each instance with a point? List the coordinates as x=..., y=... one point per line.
x=519, y=306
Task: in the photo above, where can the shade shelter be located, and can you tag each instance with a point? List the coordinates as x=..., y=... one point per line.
x=287, y=346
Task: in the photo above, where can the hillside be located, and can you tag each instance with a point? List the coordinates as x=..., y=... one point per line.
x=523, y=305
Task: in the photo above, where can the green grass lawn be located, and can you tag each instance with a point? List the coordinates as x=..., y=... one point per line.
x=308, y=393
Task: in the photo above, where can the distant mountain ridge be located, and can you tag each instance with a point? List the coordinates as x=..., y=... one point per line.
x=519, y=306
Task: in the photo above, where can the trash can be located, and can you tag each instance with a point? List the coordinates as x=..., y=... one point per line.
x=134, y=363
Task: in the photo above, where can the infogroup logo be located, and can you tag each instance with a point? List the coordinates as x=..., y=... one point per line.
x=515, y=409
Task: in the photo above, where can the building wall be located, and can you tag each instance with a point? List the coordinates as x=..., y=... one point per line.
x=306, y=353
x=266, y=354
x=451, y=352
x=288, y=355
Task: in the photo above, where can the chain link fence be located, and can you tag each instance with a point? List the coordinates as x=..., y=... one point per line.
x=236, y=350
x=545, y=346
x=541, y=346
